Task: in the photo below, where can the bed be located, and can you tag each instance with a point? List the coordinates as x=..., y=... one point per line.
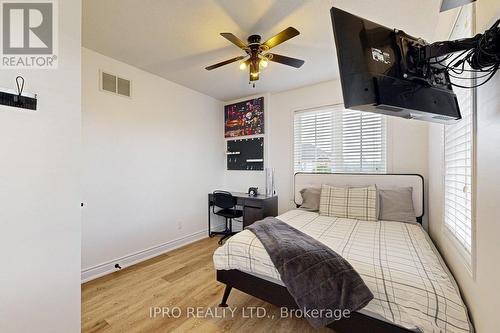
x=413, y=289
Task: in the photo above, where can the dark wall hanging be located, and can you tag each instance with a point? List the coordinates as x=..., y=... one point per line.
x=245, y=154
x=18, y=99
x=244, y=118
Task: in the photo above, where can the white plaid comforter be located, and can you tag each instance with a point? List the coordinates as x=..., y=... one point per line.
x=410, y=283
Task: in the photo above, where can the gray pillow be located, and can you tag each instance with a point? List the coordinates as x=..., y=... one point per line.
x=396, y=204
x=310, y=199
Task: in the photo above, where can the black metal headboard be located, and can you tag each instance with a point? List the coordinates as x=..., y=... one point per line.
x=416, y=181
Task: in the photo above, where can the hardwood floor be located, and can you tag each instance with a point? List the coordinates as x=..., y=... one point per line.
x=182, y=281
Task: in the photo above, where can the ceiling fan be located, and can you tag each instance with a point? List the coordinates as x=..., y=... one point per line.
x=256, y=52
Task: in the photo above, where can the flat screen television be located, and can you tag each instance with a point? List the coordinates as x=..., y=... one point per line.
x=374, y=75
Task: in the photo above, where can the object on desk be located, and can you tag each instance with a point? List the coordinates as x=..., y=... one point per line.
x=253, y=191
x=245, y=154
x=270, y=182
x=18, y=99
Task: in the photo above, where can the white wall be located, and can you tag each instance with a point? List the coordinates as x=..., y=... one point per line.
x=148, y=163
x=407, y=140
x=241, y=180
x=481, y=294
x=40, y=193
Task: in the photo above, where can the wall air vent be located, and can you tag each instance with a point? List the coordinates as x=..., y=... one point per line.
x=115, y=84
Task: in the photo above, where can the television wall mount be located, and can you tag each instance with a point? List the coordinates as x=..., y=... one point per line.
x=434, y=63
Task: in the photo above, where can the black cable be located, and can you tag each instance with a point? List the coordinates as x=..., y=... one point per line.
x=477, y=85
x=440, y=61
x=482, y=60
x=468, y=78
x=489, y=69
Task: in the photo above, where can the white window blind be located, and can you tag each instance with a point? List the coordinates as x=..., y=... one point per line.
x=458, y=156
x=338, y=140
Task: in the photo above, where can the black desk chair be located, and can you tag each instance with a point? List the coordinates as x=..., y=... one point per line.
x=227, y=209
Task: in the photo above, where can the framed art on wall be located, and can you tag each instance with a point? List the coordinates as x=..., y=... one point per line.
x=244, y=118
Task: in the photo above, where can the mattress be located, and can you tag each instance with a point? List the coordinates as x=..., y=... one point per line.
x=412, y=286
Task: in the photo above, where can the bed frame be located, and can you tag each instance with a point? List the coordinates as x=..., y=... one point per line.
x=278, y=295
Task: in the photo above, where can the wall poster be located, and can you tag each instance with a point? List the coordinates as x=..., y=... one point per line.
x=244, y=118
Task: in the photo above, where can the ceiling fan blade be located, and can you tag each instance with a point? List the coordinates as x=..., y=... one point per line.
x=209, y=68
x=294, y=62
x=283, y=36
x=235, y=40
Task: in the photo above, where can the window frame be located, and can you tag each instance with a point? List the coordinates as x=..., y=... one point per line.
x=467, y=259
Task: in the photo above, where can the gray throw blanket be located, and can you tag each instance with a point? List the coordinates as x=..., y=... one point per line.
x=315, y=275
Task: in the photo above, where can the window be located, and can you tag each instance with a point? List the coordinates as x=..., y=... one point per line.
x=458, y=156
x=337, y=140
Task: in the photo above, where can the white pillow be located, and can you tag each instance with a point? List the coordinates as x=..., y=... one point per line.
x=349, y=202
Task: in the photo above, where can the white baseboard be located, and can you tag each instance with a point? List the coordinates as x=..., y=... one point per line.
x=94, y=272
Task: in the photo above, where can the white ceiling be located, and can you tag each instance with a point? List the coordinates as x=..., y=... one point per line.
x=176, y=39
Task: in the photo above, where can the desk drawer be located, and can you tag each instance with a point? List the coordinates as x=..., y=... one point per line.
x=252, y=214
x=255, y=203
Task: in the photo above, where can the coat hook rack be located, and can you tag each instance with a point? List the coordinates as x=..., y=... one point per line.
x=18, y=99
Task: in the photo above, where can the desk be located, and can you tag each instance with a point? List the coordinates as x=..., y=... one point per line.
x=254, y=208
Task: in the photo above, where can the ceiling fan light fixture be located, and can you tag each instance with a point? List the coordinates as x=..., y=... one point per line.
x=257, y=56
x=264, y=62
